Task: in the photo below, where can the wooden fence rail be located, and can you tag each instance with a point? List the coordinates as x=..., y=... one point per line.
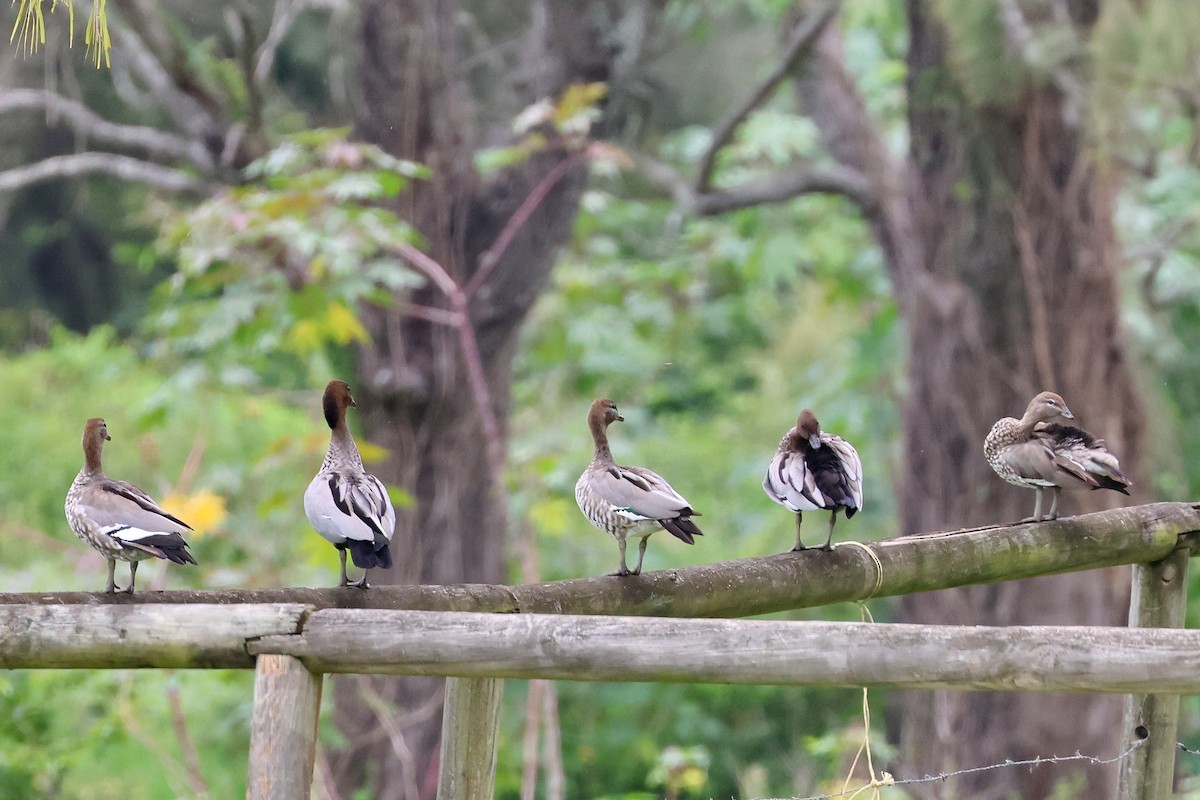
x=1041, y=658
x=750, y=586
x=597, y=629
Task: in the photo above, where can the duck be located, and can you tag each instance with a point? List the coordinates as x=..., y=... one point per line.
x=117, y=518
x=814, y=470
x=344, y=503
x=628, y=501
x=1034, y=453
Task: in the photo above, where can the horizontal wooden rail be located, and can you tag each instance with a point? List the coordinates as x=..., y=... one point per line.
x=165, y=636
x=750, y=586
x=595, y=648
x=592, y=648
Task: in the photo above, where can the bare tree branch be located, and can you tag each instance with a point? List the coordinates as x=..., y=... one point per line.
x=384, y=715
x=490, y=257
x=1035, y=297
x=285, y=15
x=666, y=177
x=534, y=703
x=803, y=38
x=118, y=166
x=1155, y=255
x=95, y=128
x=829, y=94
x=476, y=377
x=241, y=30
x=188, y=113
x=834, y=180
x=439, y=315
x=186, y=746
x=556, y=780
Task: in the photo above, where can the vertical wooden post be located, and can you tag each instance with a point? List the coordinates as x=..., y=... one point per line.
x=283, y=729
x=1158, y=600
x=470, y=723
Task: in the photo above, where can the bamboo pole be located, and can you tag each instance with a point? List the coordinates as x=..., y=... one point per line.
x=750, y=586
x=166, y=636
x=1158, y=600
x=598, y=648
x=283, y=729
x=470, y=727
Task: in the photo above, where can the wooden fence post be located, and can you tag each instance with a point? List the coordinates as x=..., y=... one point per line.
x=470, y=723
x=283, y=729
x=1158, y=600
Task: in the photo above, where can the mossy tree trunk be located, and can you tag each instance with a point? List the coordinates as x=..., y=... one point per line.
x=996, y=228
x=429, y=96
x=1017, y=293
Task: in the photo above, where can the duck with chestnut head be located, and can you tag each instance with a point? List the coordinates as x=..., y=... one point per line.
x=814, y=470
x=346, y=504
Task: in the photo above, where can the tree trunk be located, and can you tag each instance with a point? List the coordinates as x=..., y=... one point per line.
x=997, y=234
x=413, y=388
x=1018, y=293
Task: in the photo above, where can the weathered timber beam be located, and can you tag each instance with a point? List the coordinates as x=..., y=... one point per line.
x=104, y=637
x=596, y=648
x=470, y=733
x=1158, y=600
x=749, y=586
x=283, y=729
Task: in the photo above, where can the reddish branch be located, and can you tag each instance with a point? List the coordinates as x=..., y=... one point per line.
x=459, y=316
x=459, y=304
x=492, y=256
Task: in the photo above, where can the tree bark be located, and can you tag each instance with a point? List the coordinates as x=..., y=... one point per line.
x=419, y=103
x=1017, y=294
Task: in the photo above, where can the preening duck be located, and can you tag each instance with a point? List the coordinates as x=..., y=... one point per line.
x=118, y=518
x=1034, y=453
x=628, y=501
x=347, y=505
x=813, y=470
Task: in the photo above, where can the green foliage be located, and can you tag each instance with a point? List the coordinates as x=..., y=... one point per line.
x=237, y=459
x=710, y=333
x=646, y=740
x=271, y=274
x=1144, y=59
x=99, y=735
x=95, y=735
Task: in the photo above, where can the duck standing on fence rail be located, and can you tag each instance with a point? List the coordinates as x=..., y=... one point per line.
x=1034, y=453
x=347, y=505
x=628, y=501
x=118, y=518
x=814, y=470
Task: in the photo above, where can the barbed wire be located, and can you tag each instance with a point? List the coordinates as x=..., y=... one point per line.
x=887, y=781
x=1187, y=749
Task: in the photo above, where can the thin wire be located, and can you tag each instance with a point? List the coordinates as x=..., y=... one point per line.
x=864, y=747
x=1187, y=749
x=1008, y=762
